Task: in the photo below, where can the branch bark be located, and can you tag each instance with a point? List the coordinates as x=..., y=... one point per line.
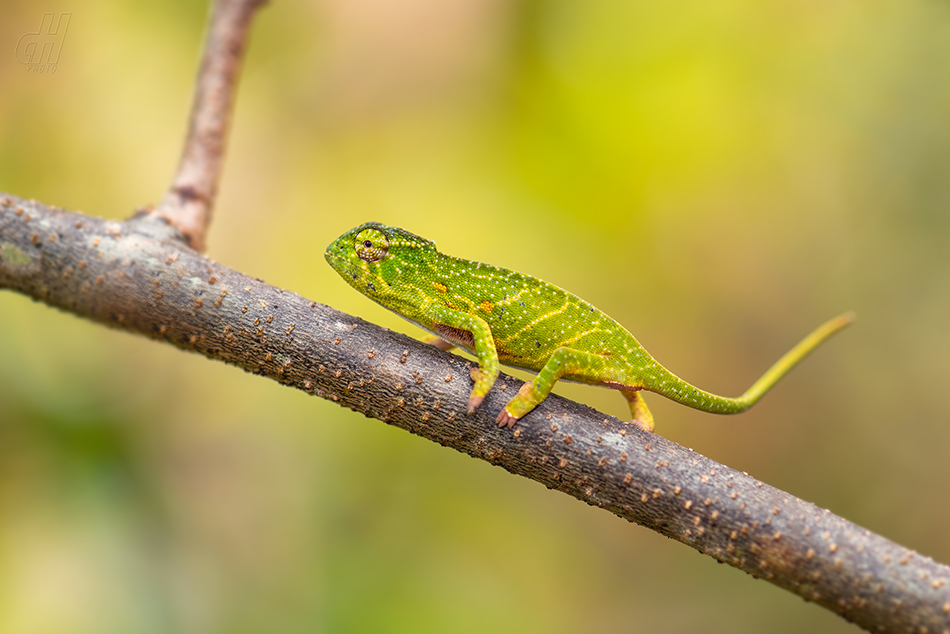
x=140, y=276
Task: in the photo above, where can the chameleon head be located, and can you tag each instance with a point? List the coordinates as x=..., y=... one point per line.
x=372, y=257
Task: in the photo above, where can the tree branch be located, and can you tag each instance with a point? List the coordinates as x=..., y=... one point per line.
x=140, y=276
x=189, y=200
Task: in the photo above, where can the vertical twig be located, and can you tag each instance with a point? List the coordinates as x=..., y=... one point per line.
x=188, y=202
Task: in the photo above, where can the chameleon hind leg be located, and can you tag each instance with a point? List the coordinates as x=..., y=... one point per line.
x=564, y=361
x=642, y=417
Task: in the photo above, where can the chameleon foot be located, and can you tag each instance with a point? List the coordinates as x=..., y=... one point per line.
x=644, y=426
x=517, y=407
x=505, y=419
x=473, y=402
x=483, y=383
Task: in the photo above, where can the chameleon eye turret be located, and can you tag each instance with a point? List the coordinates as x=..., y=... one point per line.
x=372, y=245
x=507, y=317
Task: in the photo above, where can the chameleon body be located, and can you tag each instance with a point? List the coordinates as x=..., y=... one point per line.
x=503, y=316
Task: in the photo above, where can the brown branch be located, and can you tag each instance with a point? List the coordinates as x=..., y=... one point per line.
x=189, y=200
x=139, y=276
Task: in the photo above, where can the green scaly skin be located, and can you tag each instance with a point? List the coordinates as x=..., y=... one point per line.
x=503, y=316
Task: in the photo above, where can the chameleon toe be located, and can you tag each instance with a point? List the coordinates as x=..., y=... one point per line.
x=505, y=419
x=643, y=426
x=473, y=402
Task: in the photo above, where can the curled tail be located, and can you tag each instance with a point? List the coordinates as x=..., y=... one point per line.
x=680, y=391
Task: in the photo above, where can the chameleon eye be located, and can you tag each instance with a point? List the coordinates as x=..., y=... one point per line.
x=372, y=245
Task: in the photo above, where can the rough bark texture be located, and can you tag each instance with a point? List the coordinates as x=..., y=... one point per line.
x=141, y=276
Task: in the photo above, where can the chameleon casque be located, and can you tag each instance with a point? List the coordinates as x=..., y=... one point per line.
x=507, y=317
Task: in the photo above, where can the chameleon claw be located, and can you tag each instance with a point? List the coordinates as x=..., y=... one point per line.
x=473, y=402
x=644, y=426
x=505, y=419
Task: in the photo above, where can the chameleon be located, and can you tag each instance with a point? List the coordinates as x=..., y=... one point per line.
x=502, y=316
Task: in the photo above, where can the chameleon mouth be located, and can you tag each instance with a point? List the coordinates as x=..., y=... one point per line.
x=343, y=265
x=336, y=259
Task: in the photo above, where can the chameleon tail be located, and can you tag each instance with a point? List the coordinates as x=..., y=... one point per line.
x=682, y=392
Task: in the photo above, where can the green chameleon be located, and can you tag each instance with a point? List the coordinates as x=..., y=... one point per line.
x=507, y=317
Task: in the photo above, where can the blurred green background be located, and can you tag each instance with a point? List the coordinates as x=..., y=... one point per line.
x=718, y=176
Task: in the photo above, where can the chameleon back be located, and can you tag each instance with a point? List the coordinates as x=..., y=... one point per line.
x=530, y=318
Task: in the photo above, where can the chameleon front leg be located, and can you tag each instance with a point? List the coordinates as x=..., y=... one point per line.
x=483, y=342
x=563, y=361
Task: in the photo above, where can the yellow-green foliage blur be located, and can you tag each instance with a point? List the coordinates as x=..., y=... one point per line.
x=718, y=176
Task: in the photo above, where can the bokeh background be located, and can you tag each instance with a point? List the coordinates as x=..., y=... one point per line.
x=719, y=176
